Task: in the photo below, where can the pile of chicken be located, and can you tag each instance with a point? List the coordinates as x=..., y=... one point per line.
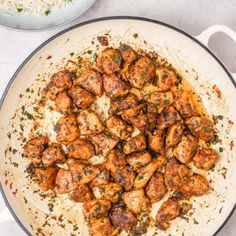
x=140, y=169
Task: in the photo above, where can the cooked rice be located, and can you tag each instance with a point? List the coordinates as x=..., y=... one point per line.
x=33, y=6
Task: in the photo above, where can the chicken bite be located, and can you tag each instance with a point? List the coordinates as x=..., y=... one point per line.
x=89, y=123
x=81, y=194
x=136, y=201
x=91, y=80
x=138, y=159
x=67, y=129
x=102, y=178
x=128, y=54
x=174, y=135
x=119, y=127
x=186, y=148
x=64, y=103
x=138, y=143
x=156, y=140
x=205, y=158
x=114, y=87
x=53, y=155
x=81, y=149
x=110, y=60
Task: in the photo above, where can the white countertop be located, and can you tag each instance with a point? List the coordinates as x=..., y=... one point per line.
x=192, y=16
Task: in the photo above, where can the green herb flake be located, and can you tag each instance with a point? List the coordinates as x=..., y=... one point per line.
x=87, y=172
x=135, y=35
x=47, y=12
x=14, y=151
x=140, y=177
x=98, y=208
x=213, y=168
x=116, y=59
x=72, y=54
x=195, y=222
x=19, y=9
x=221, y=149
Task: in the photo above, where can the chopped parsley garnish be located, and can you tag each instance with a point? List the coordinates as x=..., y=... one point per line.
x=19, y=9
x=140, y=177
x=135, y=35
x=47, y=12
x=72, y=54
x=117, y=59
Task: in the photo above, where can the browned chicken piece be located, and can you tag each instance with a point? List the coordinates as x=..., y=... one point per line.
x=169, y=210
x=138, y=143
x=186, y=148
x=81, y=194
x=89, y=123
x=53, y=155
x=184, y=103
x=142, y=72
x=91, y=80
x=45, y=177
x=59, y=81
x=114, y=87
x=115, y=160
x=205, y=158
x=136, y=201
x=132, y=112
x=140, y=122
x=174, y=135
x=122, y=218
x=96, y=208
x=33, y=149
x=185, y=208
x=81, y=149
x=109, y=191
x=145, y=173
x=102, y=178
x=67, y=129
x=156, y=140
x=83, y=173
x=201, y=128
x=123, y=103
x=64, y=182
x=174, y=174
x=125, y=177
x=128, y=54
x=102, y=227
x=81, y=97
x=138, y=159
x=64, y=103
x=104, y=142
x=166, y=78
x=168, y=117
x=110, y=60
x=156, y=188
x=118, y=127
x=152, y=120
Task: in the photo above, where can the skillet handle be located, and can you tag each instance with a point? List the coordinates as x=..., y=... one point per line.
x=207, y=33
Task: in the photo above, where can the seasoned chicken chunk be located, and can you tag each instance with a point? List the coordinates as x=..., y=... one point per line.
x=184, y=103
x=33, y=149
x=114, y=87
x=132, y=112
x=96, y=208
x=109, y=191
x=45, y=177
x=81, y=97
x=91, y=80
x=53, y=154
x=174, y=135
x=174, y=173
x=123, y=103
x=168, y=117
x=156, y=188
x=136, y=201
x=102, y=178
x=110, y=60
x=64, y=182
x=83, y=173
x=128, y=54
x=186, y=148
x=169, y=210
x=185, y=208
x=81, y=194
x=59, y=81
x=122, y=218
x=81, y=149
x=146, y=172
x=102, y=227
x=142, y=72
x=201, y=128
x=67, y=129
x=89, y=123
x=115, y=160
x=104, y=142
x=166, y=78
x=64, y=103
x=138, y=159
x=156, y=140
x=119, y=127
x=138, y=143
x=125, y=177
x=205, y=158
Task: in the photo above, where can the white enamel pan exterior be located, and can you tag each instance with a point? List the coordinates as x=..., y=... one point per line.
x=188, y=54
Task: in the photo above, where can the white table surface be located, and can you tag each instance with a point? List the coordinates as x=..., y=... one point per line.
x=192, y=16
